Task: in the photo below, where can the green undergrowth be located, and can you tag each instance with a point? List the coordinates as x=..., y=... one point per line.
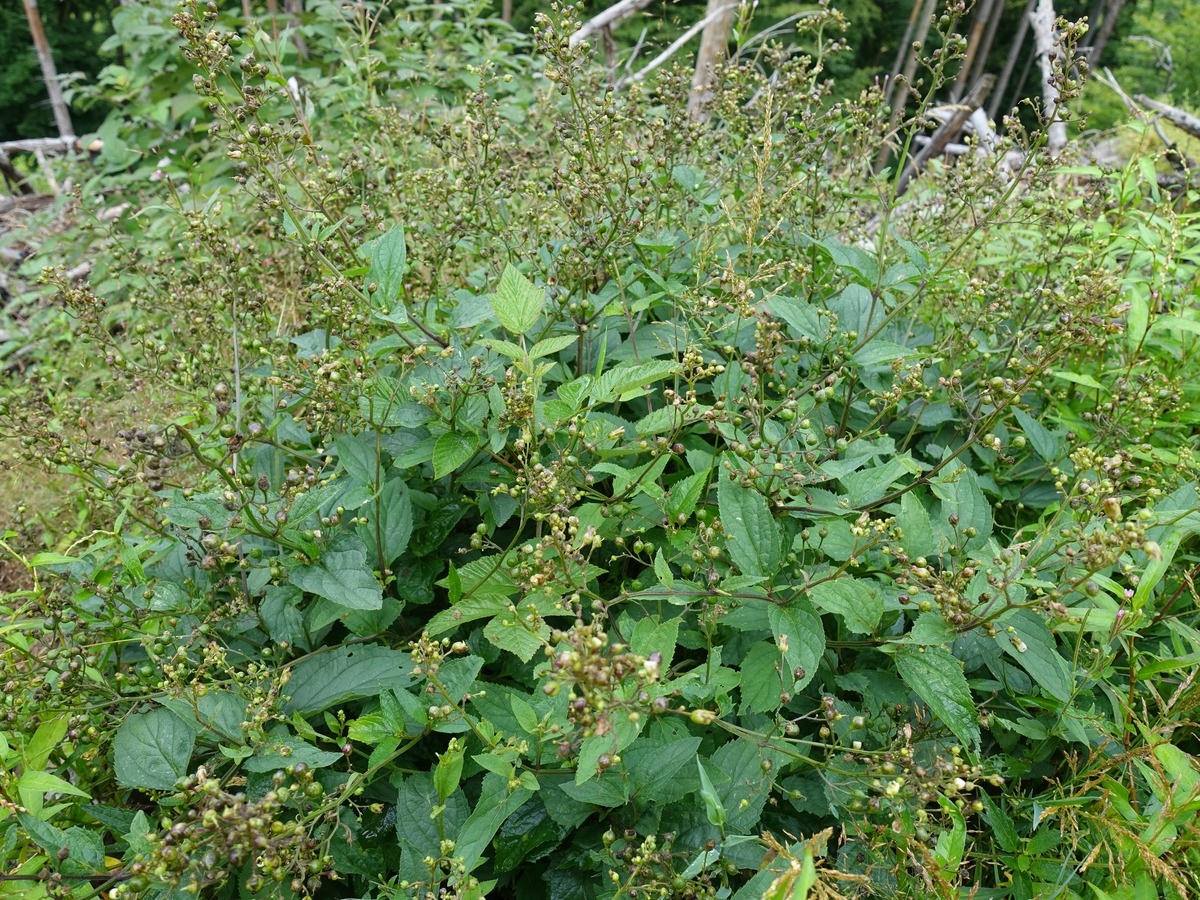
x=547, y=494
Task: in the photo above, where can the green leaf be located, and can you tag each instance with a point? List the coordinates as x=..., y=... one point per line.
x=507, y=633
x=451, y=451
x=395, y=521
x=685, y=494
x=151, y=750
x=552, y=345
x=752, y=534
x=961, y=495
x=1031, y=643
x=937, y=678
x=496, y=804
x=798, y=628
x=478, y=606
x=712, y=802
x=389, y=261
x=1045, y=444
x=283, y=749
x=914, y=523
x=761, y=680
x=448, y=771
x=517, y=302
x=858, y=602
x=320, y=681
x=341, y=576
x=631, y=379
x=47, y=736
x=423, y=820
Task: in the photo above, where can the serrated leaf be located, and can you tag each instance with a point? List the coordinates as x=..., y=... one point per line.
x=389, y=260
x=761, y=680
x=517, y=302
x=859, y=603
x=937, y=678
x=451, y=451
x=151, y=750
x=507, y=634
x=800, y=636
x=918, y=539
x=631, y=379
x=341, y=576
x=752, y=534
x=685, y=494
x=551, y=345
x=324, y=679
x=1032, y=645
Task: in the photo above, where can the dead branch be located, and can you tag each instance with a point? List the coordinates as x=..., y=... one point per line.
x=42, y=145
x=1184, y=121
x=618, y=12
x=714, y=44
x=678, y=43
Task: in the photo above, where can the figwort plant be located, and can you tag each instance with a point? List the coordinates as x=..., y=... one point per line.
x=538, y=492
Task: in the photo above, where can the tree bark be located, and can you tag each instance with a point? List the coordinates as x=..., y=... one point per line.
x=714, y=44
x=1011, y=63
x=1046, y=38
x=1104, y=32
x=506, y=10
x=1184, y=121
x=62, y=117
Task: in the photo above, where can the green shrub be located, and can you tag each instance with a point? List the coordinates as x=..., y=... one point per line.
x=562, y=498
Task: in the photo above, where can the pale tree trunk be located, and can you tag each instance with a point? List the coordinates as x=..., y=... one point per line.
x=62, y=116
x=1010, y=64
x=1047, y=40
x=293, y=9
x=506, y=10
x=618, y=12
x=983, y=13
x=1104, y=32
x=714, y=44
x=910, y=68
x=902, y=53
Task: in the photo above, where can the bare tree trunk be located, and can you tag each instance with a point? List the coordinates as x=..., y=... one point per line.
x=947, y=132
x=910, y=67
x=1046, y=38
x=293, y=9
x=983, y=13
x=714, y=44
x=506, y=10
x=1104, y=32
x=902, y=52
x=1011, y=63
x=247, y=10
x=62, y=116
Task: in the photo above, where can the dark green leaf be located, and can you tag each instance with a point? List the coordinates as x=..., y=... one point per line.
x=752, y=534
x=320, y=681
x=858, y=602
x=450, y=452
x=389, y=260
x=798, y=628
x=341, y=576
x=937, y=678
x=151, y=750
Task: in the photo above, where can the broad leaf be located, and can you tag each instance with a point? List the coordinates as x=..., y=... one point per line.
x=320, y=681
x=389, y=260
x=517, y=302
x=451, y=451
x=752, y=534
x=342, y=576
x=800, y=636
x=151, y=750
x=937, y=678
x=858, y=602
